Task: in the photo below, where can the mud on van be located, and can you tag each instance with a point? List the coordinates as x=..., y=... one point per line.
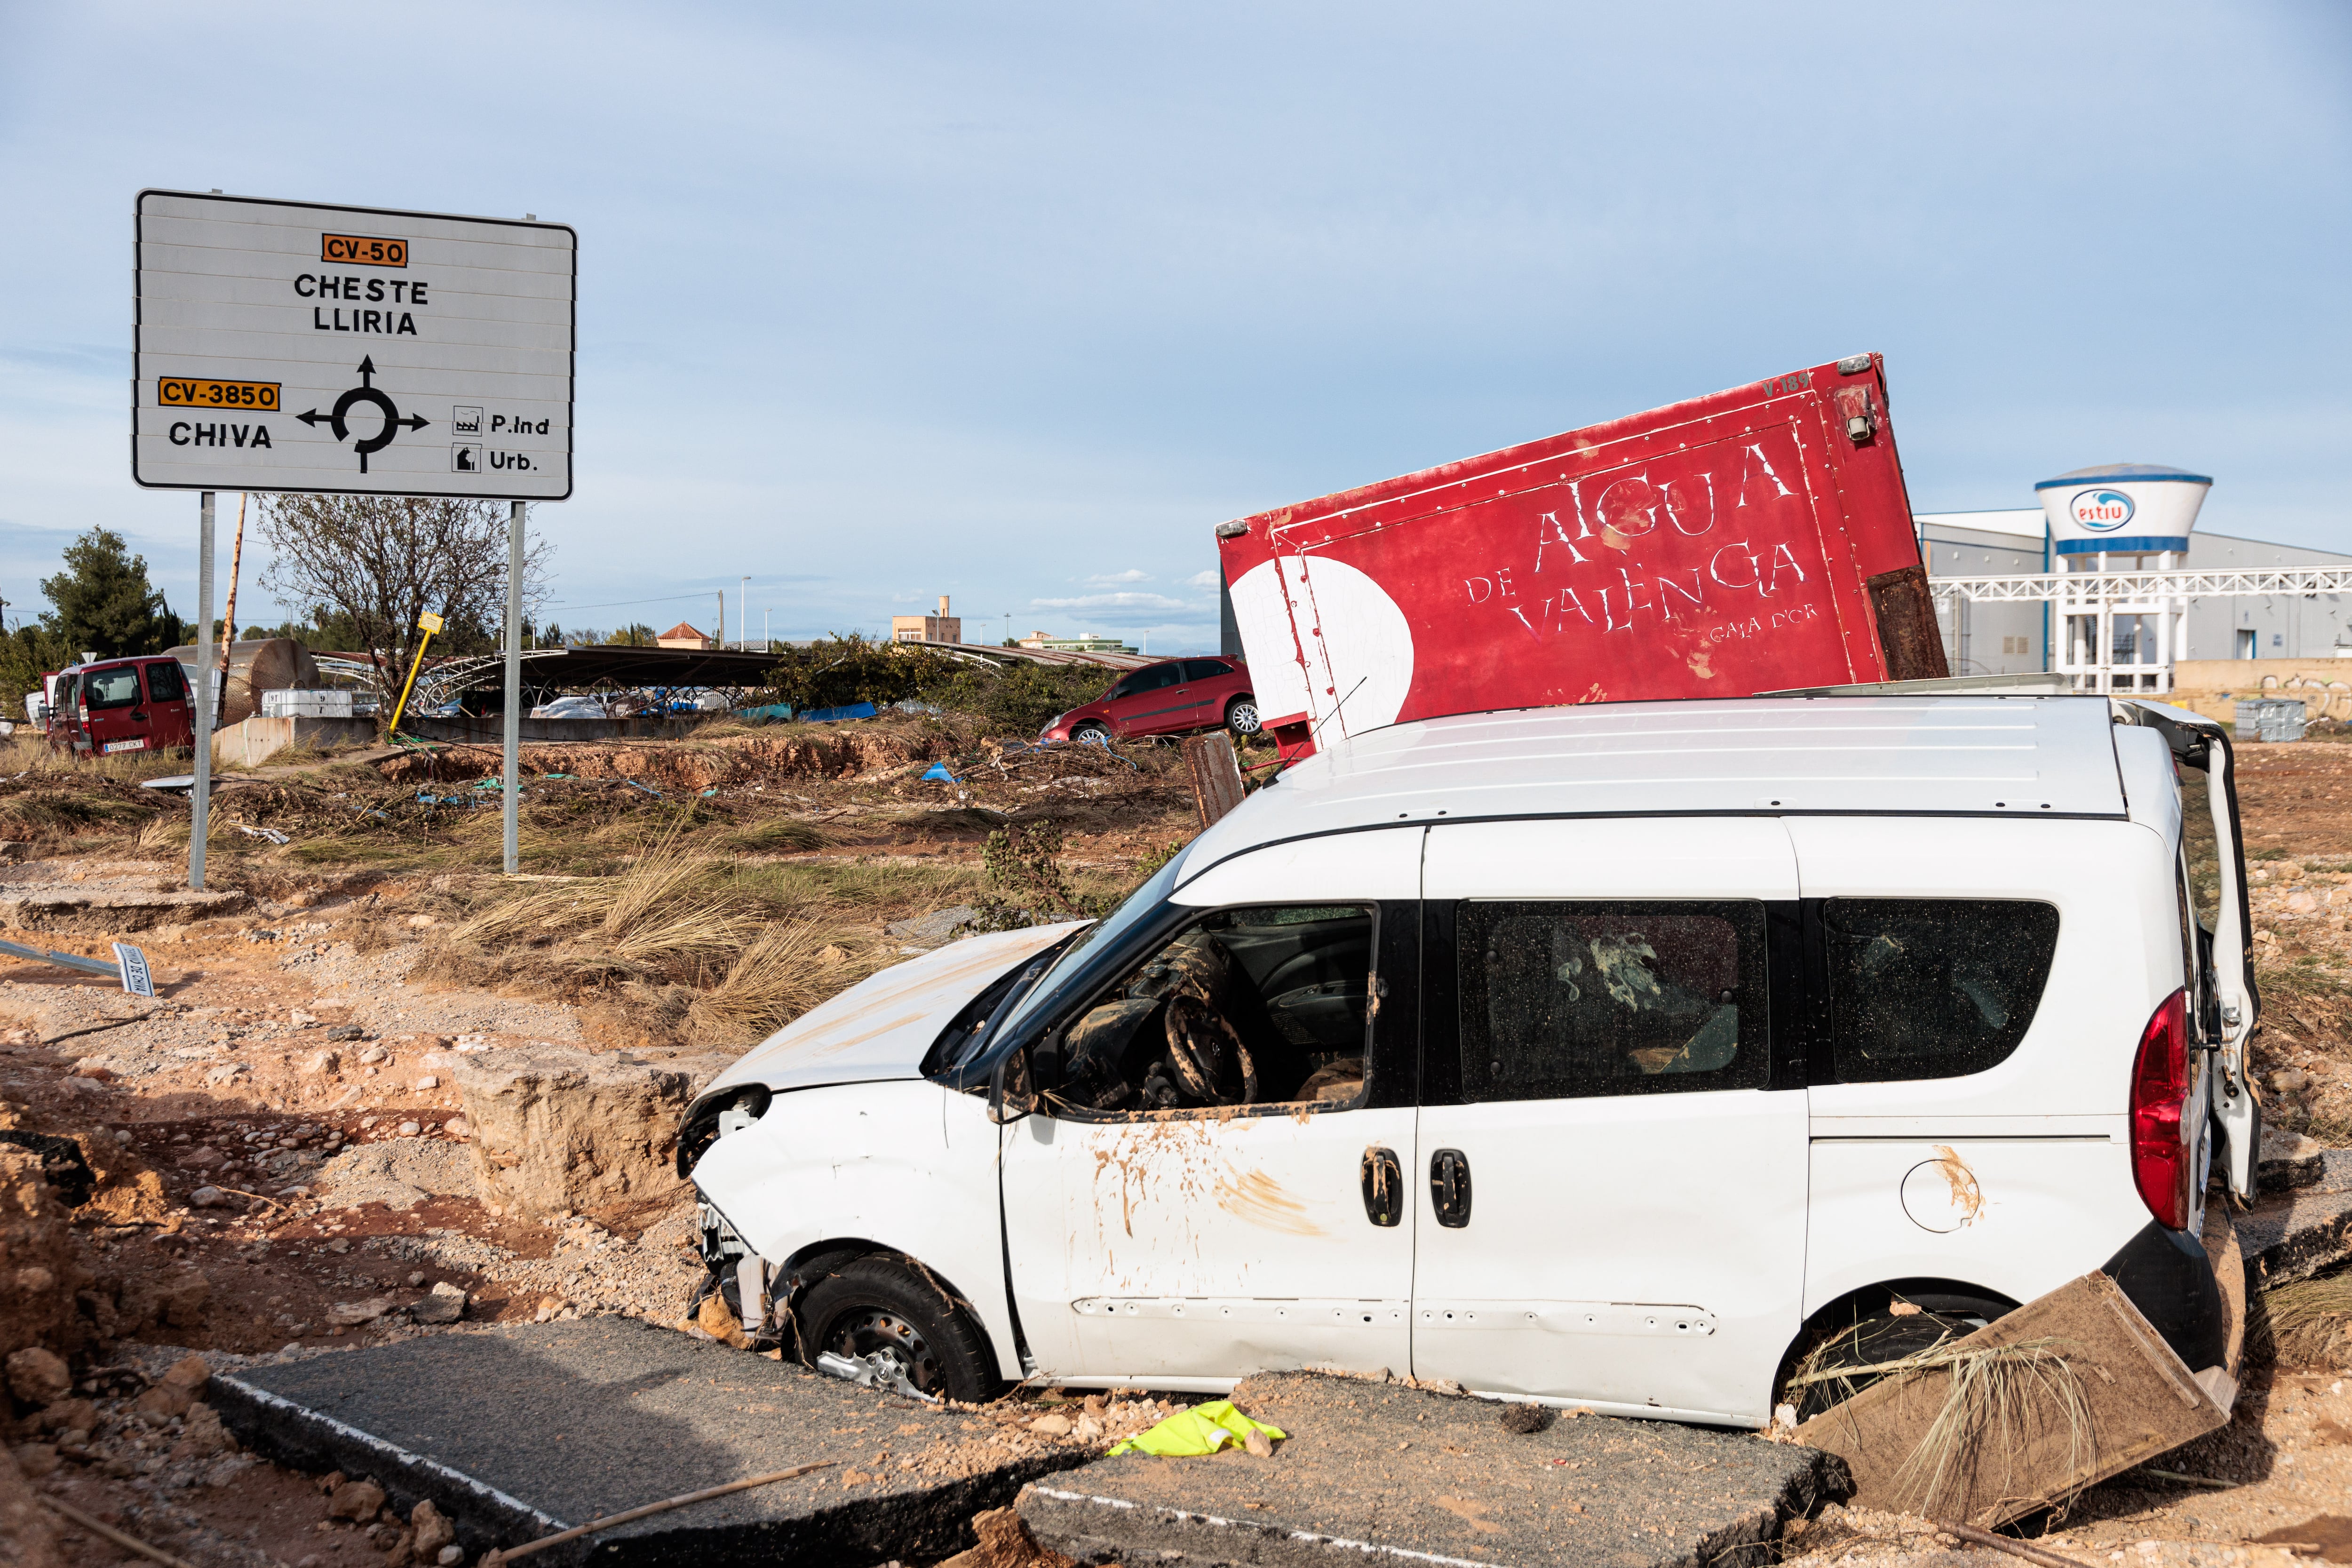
x=1599, y=1054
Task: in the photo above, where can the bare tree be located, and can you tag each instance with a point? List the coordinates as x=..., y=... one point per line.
x=383, y=561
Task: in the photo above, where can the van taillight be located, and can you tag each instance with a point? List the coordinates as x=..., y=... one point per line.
x=2159, y=1096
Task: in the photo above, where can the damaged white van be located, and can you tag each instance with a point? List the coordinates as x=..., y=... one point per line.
x=1609, y=1056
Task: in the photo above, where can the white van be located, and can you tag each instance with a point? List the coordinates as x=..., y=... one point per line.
x=1606, y=1055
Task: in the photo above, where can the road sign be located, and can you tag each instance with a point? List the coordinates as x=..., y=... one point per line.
x=290, y=346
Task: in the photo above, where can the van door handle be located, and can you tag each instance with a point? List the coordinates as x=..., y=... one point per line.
x=1449, y=1187
x=1384, y=1178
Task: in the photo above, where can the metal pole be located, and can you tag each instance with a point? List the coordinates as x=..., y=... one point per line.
x=200, y=799
x=513, y=762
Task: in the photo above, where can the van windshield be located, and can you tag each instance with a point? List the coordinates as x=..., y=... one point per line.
x=1101, y=937
x=116, y=687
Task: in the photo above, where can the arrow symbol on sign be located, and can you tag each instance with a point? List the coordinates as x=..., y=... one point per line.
x=312, y=418
x=365, y=391
x=367, y=369
x=414, y=422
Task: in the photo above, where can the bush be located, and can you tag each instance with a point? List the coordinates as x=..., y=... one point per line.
x=1013, y=697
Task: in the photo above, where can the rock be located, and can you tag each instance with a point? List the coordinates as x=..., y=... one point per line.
x=177, y=1300
x=34, y=1279
x=1525, y=1419
x=411, y=1128
x=456, y=1127
x=374, y=1054
x=319, y=1064
x=445, y=1304
x=557, y=1129
x=352, y=1032
x=1051, y=1425
x=207, y=1197
x=2290, y=1080
x=227, y=1073
x=2303, y=902
x=429, y=1080
x=430, y=1532
x=189, y=1372
x=2289, y=1160
x=36, y=1459
x=38, y=1377
x=2286, y=872
x=931, y=930
x=1261, y=1444
x=358, y=1501
x=162, y=1400
x=67, y=1415
x=450, y=1556
x=353, y=1314
x=1005, y=1543
x=300, y=1019
x=202, y=1436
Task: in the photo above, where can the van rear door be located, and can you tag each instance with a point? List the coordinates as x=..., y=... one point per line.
x=2213, y=847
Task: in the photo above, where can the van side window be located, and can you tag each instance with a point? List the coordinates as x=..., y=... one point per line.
x=165, y=683
x=1205, y=669
x=1255, y=1005
x=115, y=688
x=1568, y=1000
x=2198, y=844
x=1932, y=987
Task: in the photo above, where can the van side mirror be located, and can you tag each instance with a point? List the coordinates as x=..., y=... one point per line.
x=1010, y=1097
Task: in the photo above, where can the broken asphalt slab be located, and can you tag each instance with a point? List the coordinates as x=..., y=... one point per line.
x=2298, y=1232
x=1378, y=1473
x=517, y=1432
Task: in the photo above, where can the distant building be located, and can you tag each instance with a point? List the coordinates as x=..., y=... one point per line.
x=942, y=628
x=1086, y=644
x=683, y=636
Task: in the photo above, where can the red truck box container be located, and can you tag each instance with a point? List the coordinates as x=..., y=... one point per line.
x=1756, y=539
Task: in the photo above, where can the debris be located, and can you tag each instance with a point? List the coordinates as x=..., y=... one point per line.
x=836, y=715
x=81, y=1520
x=431, y=1532
x=353, y=1314
x=493, y=1559
x=1526, y=1418
x=130, y=966
x=2069, y=1389
x=1051, y=1425
x=1203, y=1429
x=2002, y=1544
x=1216, y=775
x=270, y=834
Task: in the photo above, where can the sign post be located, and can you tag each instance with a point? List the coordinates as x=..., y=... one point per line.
x=512, y=764
x=200, y=798
x=293, y=347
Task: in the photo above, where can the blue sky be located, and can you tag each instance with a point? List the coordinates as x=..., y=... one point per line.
x=1016, y=302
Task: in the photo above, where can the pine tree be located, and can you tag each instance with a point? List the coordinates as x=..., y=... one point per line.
x=103, y=603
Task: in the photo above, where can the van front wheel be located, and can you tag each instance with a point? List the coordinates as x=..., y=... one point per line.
x=900, y=1322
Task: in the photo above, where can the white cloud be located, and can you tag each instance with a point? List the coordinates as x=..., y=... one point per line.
x=1202, y=580
x=1132, y=574
x=1127, y=601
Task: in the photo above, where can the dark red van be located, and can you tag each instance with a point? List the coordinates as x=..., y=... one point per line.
x=123, y=705
x=1166, y=698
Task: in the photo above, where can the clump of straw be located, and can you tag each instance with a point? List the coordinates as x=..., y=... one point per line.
x=787, y=972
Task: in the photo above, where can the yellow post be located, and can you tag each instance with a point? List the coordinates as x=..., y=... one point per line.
x=428, y=623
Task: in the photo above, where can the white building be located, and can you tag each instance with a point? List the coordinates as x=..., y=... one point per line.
x=2014, y=639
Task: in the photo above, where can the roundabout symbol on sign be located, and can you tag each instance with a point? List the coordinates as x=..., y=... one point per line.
x=365, y=391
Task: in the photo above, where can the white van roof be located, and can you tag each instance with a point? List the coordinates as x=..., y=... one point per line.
x=2003, y=756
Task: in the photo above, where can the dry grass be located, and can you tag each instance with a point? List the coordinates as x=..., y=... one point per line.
x=791, y=969
x=2305, y=1323
x=780, y=835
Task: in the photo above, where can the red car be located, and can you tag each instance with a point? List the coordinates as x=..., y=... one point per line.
x=1165, y=698
x=123, y=705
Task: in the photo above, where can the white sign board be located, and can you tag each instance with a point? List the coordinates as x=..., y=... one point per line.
x=289, y=346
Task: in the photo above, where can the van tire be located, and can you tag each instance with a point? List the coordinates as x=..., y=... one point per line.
x=882, y=1304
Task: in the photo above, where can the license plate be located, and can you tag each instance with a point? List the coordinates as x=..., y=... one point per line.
x=126, y=746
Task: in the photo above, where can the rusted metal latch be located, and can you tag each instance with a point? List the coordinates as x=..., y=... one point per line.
x=1855, y=407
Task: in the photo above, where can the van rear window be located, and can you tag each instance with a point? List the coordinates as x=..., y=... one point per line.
x=1568, y=1000
x=1932, y=987
x=116, y=687
x=165, y=683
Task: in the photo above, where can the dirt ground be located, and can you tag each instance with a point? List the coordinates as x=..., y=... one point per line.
x=299, y=1057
